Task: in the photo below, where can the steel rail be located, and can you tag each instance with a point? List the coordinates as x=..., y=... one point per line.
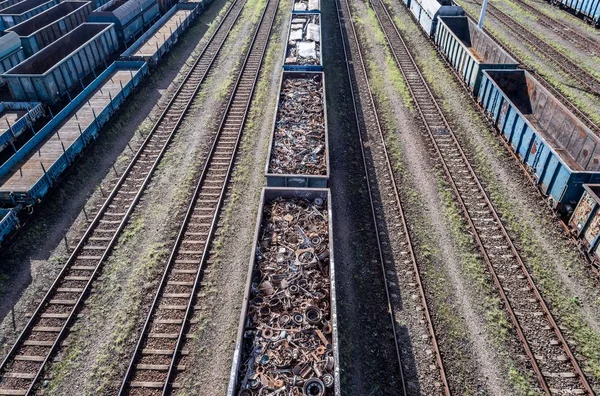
x=351, y=70
x=223, y=29
x=433, y=118
x=562, y=29
x=248, y=75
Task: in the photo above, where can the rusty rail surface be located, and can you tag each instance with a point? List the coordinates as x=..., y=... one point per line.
x=369, y=126
x=51, y=321
x=159, y=347
x=534, y=324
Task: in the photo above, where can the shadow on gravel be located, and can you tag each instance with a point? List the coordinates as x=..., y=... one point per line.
x=367, y=351
x=44, y=232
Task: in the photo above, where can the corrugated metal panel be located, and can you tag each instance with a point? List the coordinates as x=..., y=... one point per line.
x=9, y=43
x=426, y=12
x=533, y=122
x=51, y=73
x=470, y=50
x=52, y=24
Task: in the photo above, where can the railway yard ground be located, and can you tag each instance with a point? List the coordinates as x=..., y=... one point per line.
x=437, y=264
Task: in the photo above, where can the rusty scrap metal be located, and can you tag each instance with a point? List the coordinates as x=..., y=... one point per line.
x=299, y=136
x=304, y=46
x=288, y=335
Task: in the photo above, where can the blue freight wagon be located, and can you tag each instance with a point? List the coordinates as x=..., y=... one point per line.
x=558, y=148
x=427, y=12
x=470, y=50
x=28, y=175
x=303, y=50
x=588, y=10
x=9, y=221
x=15, y=118
x=131, y=17
x=50, y=74
x=159, y=39
x=11, y=53
x=299, y=148
x=22, y=11
x=52, y=24
x=307, y=7
x=315, y=257
x=8, y=3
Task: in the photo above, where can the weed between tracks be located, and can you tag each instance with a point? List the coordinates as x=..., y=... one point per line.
x=562, y=302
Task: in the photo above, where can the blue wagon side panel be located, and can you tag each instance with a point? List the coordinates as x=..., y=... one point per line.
x=22, y=11
x=129, y=16
x=470, y=50
x=10, y=130
x=51, y=73
x=9, y=221
x=28, y=175
x=49, y=26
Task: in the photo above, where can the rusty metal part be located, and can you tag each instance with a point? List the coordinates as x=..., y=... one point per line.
x=53, y=317
x=299, y=136
x=357, y=75
x=288, y=343
x=535, y=326
x=168, y=320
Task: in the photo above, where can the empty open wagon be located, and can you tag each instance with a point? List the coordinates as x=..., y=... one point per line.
x=63, y=65
x=52, y=24
x=28, y=175
x=159, y=39
x=130, y=17
x=290, y=300
x=9, y=221
x=470, y=50
x=560, y=150
x=299, y=150
x=22, y=11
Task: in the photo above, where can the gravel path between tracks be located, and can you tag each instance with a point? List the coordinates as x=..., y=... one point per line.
x=586, y=102
x=456, y=309
x=563, y=277
x=98, y=349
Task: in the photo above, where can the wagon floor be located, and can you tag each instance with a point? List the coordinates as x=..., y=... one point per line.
x=29, y=171
x=9, y=117
x=158, y=39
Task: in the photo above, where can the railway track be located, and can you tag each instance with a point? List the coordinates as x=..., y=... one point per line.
x=562, y=29
x=369, y=126
x=550, y=356
x=51, y=321
x=158, y=351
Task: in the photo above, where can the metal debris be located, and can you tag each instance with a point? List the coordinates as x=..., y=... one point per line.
x=288, y=335
x=304, y=46
x=306, y=5
x=299, y=136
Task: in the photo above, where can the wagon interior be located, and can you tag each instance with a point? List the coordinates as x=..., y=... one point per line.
x=47, y=58
x=44, y=19
x=22, y=7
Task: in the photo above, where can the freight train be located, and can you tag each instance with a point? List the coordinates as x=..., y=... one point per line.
x=561, y=153
x=588, y=10
x=69, y=67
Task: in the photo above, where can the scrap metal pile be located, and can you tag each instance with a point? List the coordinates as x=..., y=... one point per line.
x=288, y=334
x=299, y=137
x=304, y=47
x=306, y=5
